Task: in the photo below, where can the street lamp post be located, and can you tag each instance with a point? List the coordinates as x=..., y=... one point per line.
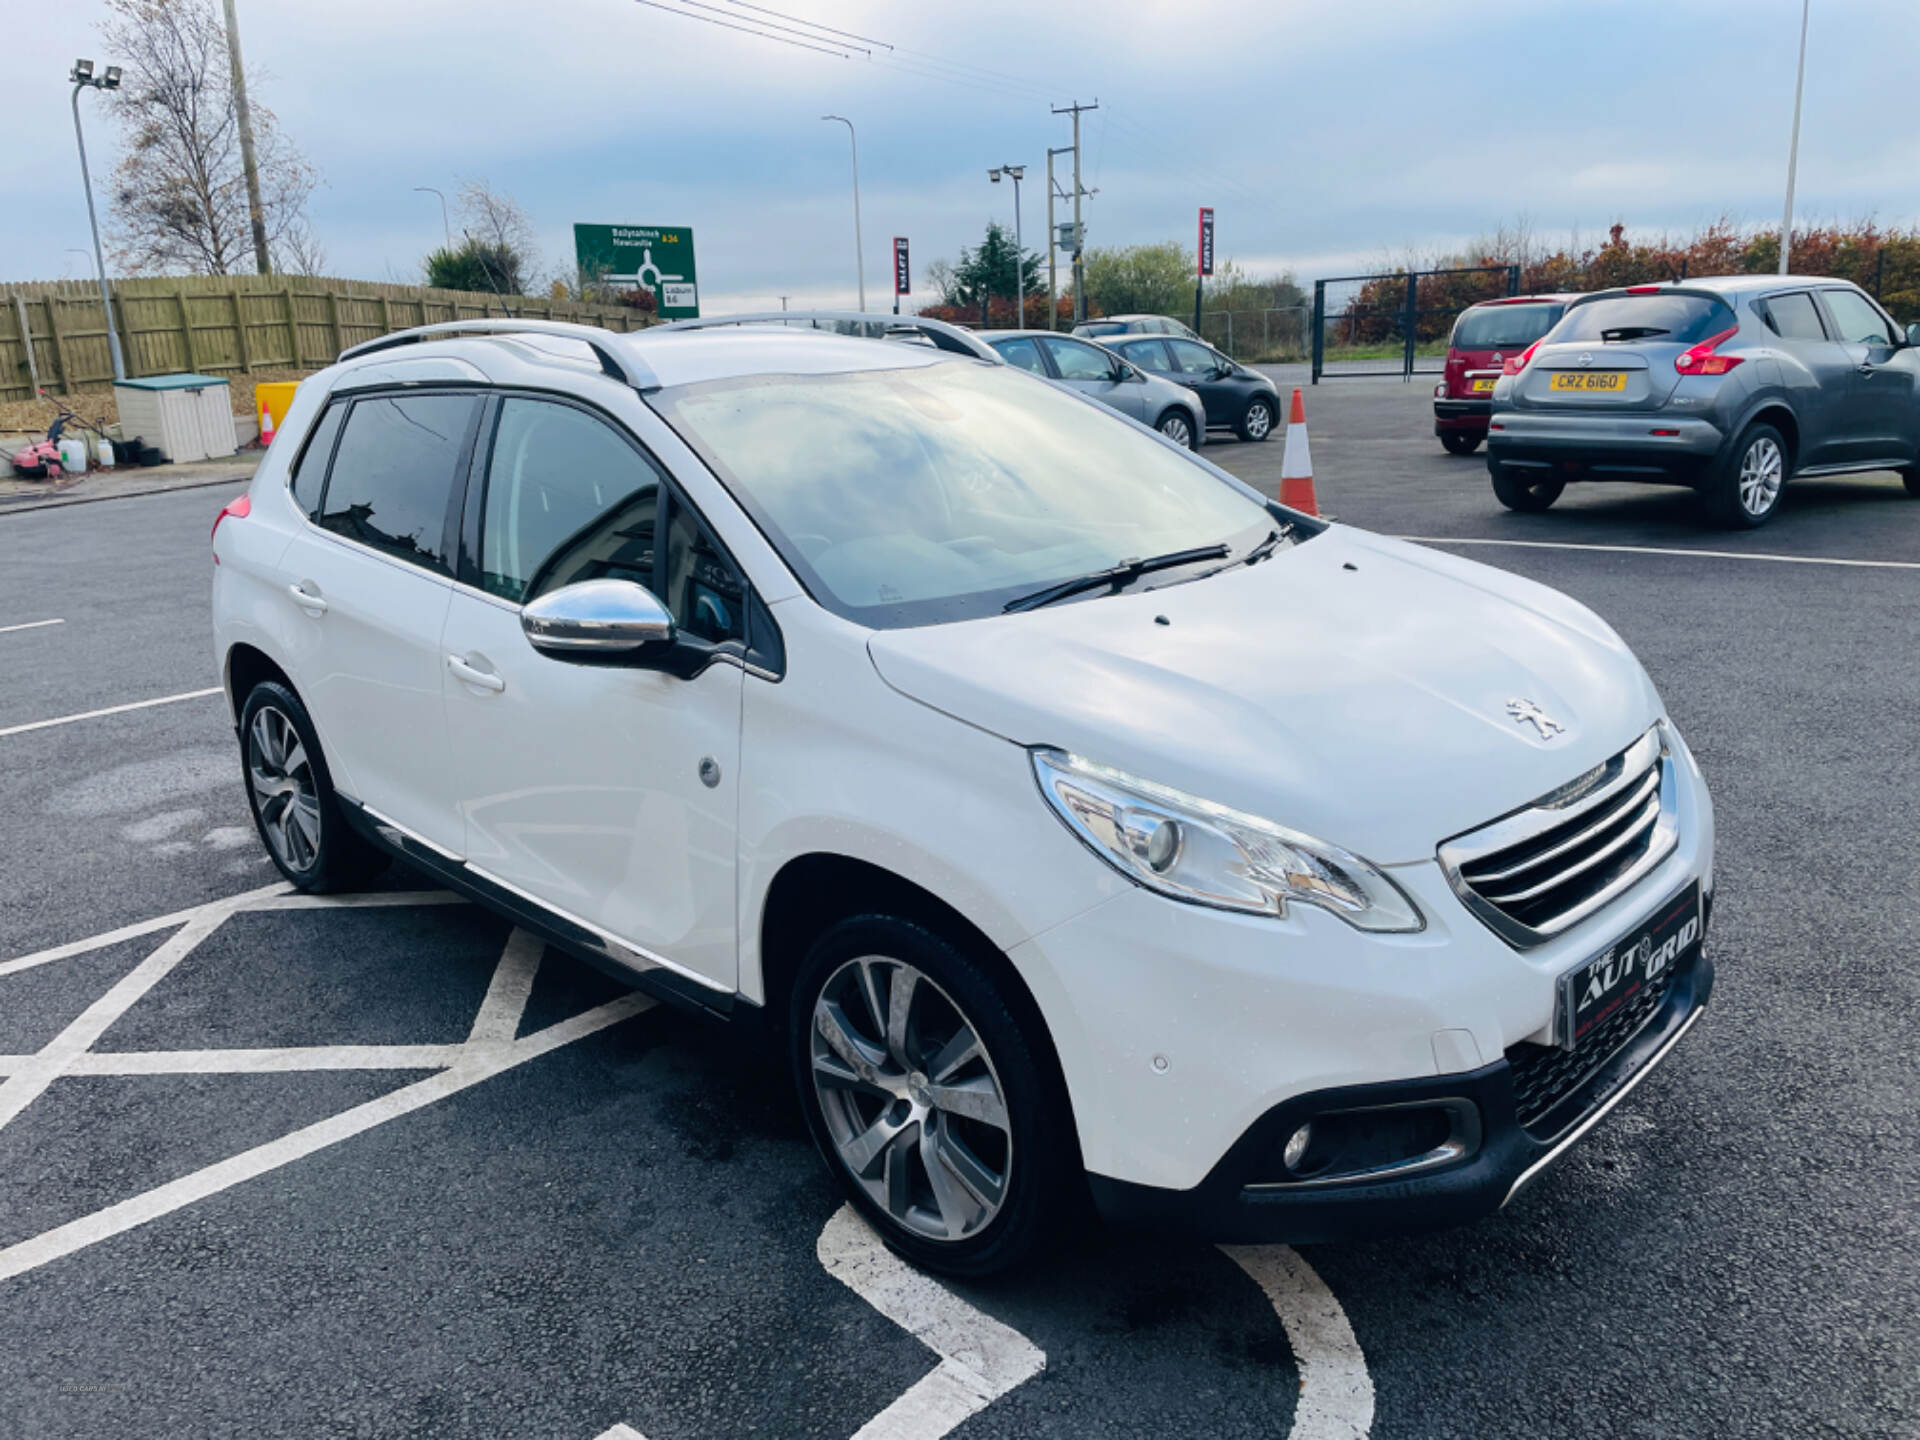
x=1016, y=173
x=83, y=78
x=1793, y=149
x=445, y=228
x=859, y=255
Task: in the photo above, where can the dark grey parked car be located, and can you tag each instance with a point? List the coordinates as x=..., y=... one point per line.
x=1237, y=399
x=1732, y=385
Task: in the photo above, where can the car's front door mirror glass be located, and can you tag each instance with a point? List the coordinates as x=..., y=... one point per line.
x=1913, y=333
x=596, y=619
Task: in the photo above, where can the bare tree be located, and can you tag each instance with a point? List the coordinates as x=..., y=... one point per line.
x=179, y=196
x=495, y=222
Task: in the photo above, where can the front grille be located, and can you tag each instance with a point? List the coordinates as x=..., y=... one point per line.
x=1544, y=868
x=1544, y=1075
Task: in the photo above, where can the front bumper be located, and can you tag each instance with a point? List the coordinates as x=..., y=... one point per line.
x=1242, y=1200
x=1641, y=446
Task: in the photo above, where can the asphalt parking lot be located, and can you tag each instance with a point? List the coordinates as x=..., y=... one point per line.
x=383, y=1168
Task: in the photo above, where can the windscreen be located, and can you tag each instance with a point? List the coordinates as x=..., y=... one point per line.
x=1504, y=327
x=1668, y=319
x=913, y=496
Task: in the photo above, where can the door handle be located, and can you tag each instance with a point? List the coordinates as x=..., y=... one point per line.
x=485, y=679
x=307, y=600
x=1865, y=369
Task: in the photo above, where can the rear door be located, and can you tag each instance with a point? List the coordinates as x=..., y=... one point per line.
x=372, y=580
x=1816, y=372
x=1092, y=372
x=1878, y=416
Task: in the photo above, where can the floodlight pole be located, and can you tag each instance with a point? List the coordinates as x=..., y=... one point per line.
x=1793, y=149
x=859, y=255
x=1016, y=173
x=85, y=82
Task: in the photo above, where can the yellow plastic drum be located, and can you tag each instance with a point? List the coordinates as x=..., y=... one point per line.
x=275, y=397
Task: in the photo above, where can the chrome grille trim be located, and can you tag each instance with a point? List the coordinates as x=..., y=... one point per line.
x=1630, y=806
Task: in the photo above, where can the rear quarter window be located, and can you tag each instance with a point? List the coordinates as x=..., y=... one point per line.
x=1668, y=319
x=1504, y=327
x=310, y=470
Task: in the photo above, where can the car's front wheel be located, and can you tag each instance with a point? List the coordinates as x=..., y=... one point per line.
x=1460, y=442
x=928, y=1096
x=1178, y=428
x=290, y=794
x=1521, y=491
x=1257, y=423
x=1746, y=489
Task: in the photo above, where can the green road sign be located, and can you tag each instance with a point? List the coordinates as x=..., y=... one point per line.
x=659, y=257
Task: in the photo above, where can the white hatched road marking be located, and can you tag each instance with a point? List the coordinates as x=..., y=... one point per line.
x=110, y=710
x=1770, y=556
x=1336, y=1393
x=29, y=625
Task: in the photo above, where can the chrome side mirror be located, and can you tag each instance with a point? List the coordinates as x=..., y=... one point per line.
x=596, y=617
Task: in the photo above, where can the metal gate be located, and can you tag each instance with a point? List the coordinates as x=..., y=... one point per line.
x=1380, y=328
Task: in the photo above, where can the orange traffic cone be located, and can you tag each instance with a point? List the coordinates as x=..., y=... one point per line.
x=266, y=427
x=1296, y=464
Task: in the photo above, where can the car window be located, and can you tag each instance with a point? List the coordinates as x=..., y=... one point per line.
x=1795, y=316
x=1023, y=353
x=1079, y=362
x=1504, y=327
x=1664, y=319
x=568, y=499
x=1147, y=354
x=393, y=474
x=701, y=587
x=1192, y=358
x=912, y=496
x=1859, y=322
x=1099, y=328
x=310, y=470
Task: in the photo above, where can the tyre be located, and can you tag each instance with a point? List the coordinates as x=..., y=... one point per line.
x=1460, y=442
x=1518, y=492
x=291, y=796
x=1257, y=423
x=1744, y=489
x=1177, y=426
x=928, y=1096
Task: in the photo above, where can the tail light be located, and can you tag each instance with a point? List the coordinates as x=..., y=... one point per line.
x=1516, y=363
x=239, y=509
x=1701, y=360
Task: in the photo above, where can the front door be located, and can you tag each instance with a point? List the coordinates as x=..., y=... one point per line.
x=1816, y=370
x=604, y=792
x=371, y=586
x=1093, y=372
x=1198, y=368
x=1879, y=413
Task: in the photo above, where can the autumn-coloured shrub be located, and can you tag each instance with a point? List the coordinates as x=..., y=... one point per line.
x=1000, y=314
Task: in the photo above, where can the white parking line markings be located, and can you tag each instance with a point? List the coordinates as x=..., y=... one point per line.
x=980, y=1358
x=1664, y=550
x=29, y=625
x=1336, y=1393
x=110, y=710
x=465, y=1065
x=620, y=1432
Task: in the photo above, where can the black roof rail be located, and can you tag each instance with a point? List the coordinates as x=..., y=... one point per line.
x=622, y=367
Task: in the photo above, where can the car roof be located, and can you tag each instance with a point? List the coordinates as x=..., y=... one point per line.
x=1741, y=284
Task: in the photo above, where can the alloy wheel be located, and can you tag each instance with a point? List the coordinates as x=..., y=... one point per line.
x=1176, y=429
x=1259, y=420
x=1762, y=472
x=911, y=1099
x=284, y=791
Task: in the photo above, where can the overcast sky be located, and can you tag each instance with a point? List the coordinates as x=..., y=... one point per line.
x=1326, y=135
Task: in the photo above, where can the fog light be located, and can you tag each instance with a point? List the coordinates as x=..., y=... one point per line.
x=1297, y=1146
x=1163, y=846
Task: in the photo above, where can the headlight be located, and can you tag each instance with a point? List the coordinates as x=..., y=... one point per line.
x=1194, y=850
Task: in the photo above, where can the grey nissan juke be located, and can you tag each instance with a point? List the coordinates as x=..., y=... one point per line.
x=1731, y=385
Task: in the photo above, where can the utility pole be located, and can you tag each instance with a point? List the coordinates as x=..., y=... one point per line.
x=1053, y=235
x=1793, y=150
x=1079, y=231
x=859, y=256
x=244, y=115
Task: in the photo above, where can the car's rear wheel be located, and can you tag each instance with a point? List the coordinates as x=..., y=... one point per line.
x=928, y=1096
x=1521, y=491
x=1178, y=428
x=1460, y=442
x=1745, y=489
x=291, y=796
x=1257, y=423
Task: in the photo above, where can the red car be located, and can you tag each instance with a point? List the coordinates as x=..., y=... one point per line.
x=1484, y=338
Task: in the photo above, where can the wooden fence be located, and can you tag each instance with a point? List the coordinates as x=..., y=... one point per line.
x=230, y=324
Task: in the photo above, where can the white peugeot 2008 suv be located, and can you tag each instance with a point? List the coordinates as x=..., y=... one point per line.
x=1065, y=808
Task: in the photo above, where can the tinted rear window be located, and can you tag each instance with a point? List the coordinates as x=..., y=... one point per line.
x=1504, y=327
x=393, y=474
x=310, y=471
x=1665, y=319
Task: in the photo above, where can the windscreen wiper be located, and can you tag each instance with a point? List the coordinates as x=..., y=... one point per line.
x=1257, y=552
x=1114, y=575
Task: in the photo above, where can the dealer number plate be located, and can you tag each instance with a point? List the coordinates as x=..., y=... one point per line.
x=1591, y=993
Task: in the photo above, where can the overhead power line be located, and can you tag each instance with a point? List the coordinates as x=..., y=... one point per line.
x=743, y=29
x=810, y=24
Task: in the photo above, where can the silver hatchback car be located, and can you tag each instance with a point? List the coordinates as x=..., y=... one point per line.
x=1100, y=374
x=1732, y=385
